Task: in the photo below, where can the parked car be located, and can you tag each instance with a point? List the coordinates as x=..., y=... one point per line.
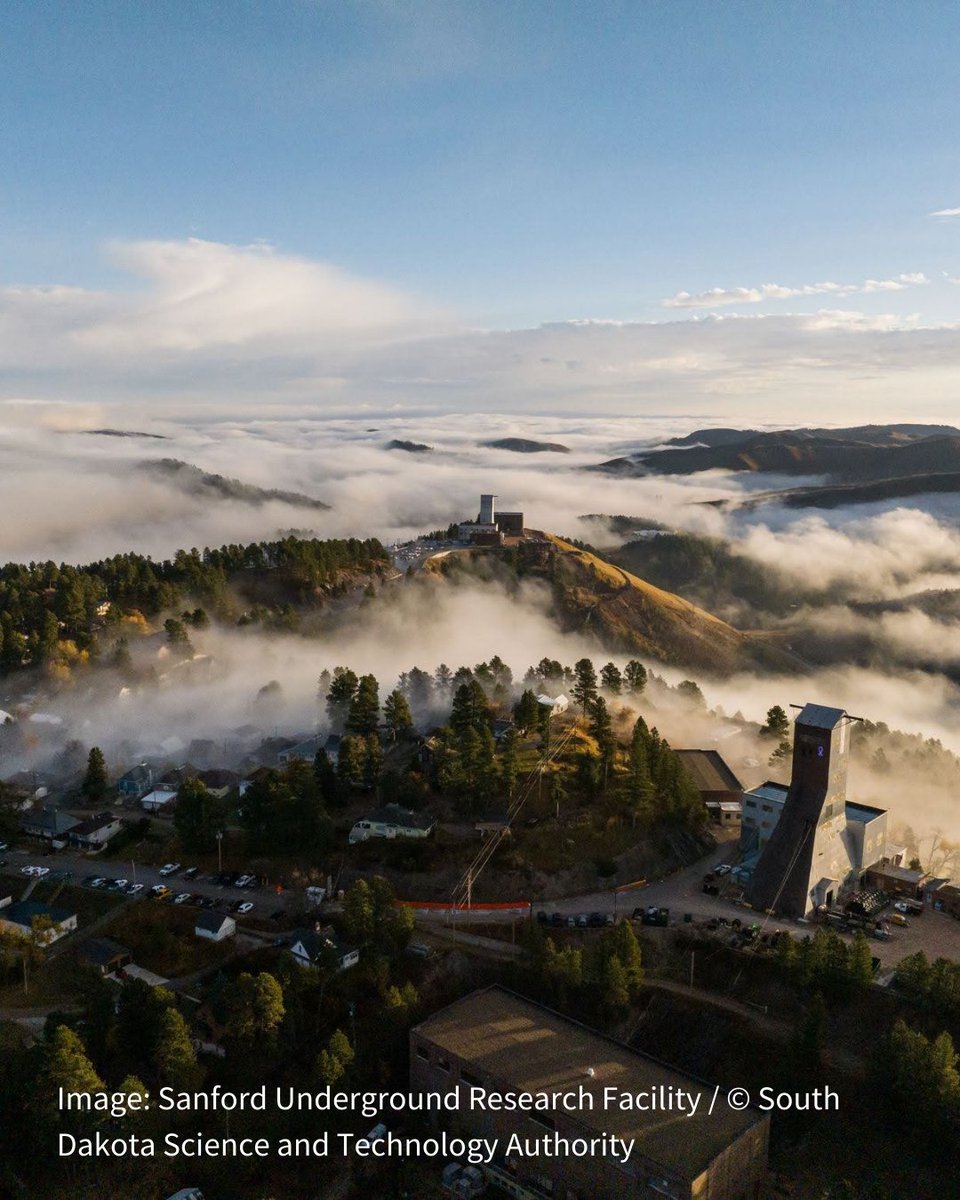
x=159, y=892
x=181, y=898
x=723, y=869
x=191, y=873
x=557, y=919
x=134, y=888
x=596, y=920
x=4, y=846
x=118, y=885
x=169, y=869
x=60, y=876
x=245, y=907
x=898, y=919
x=542, y=918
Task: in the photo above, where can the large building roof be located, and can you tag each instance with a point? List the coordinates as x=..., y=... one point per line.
x=708, y=771
x=524, y=1047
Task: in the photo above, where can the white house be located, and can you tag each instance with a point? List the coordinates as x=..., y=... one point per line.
x=18, y=919
x=392, y=821
x=314, y=947
x=556, y=704
x=215, y=927
x=95, y=832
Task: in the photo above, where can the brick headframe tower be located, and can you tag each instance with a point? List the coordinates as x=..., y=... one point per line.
x=808, y=859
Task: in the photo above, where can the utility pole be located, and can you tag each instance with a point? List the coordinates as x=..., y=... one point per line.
x=691, y=967
x=133, y=867
x=219, y=851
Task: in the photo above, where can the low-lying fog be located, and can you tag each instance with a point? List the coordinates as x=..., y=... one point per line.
x=74, y=496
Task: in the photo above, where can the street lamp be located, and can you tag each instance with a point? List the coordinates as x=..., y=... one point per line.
x=219, y=851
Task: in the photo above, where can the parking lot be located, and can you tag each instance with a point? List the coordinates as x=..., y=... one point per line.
x=230, y=891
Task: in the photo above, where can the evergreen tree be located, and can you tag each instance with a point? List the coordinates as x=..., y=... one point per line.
x=364, y=713
x=611, y=680
x=340, y=694
x=175, y=1060
x=94, y=786
x=777, y=726
x=198, y=816
x=352, y=762
x=585, y=684
x=64, y=1065
x=635, y=677
x=526, y=712
x=396, y=712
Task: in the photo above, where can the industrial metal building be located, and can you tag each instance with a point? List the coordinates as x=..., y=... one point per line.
x=820, y=846
x=503, y=1043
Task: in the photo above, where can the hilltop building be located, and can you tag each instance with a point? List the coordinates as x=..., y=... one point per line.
x=505, y=1044
x=491, y=527
x=815, y=846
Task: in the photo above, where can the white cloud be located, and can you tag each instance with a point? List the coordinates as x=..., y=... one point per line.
x=200, y=298
x=715, y=297
x=946, y=212
x=210, y=324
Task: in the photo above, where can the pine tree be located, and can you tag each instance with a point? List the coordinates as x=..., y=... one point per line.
x=175, y=1060
x=364, y=712
x=64, y=1065
x=611, y=680
x=585, y=684
x=396, y=712
x=198, y=816
x=343, y=685
x=526, y=713
x=509, y=762
x=635, y=677
x=94, y=786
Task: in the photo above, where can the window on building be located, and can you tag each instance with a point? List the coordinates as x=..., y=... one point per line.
x=768, y=808
x=444, y=1064
x=424, y=1053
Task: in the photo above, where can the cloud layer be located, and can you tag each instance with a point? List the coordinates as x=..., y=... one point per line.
x=718, y=297
x=203, y=323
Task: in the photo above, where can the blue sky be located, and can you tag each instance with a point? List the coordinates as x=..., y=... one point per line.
x=518, y=162
x=429, y=169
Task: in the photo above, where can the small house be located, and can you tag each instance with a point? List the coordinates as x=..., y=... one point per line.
x=18, y=919
x=50, y=824
x=106, y=955
x=321, y=947
x=136, y=782
x=95, y=832
x=158, y=799
x=215, y=927
x=392, y=821
x=556, y=704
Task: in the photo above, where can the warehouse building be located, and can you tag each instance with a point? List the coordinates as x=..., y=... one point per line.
x=506, y=1044
x=720, y=790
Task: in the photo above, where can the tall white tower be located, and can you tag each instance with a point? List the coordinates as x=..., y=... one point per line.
x=487, y=505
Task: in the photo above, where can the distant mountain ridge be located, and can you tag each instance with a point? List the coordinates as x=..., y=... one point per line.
x=196, y=482
x=863, y=454
x=527, y=446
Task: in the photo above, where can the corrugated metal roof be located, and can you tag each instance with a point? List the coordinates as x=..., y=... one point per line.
x=708, y=771
x=521, y=1046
